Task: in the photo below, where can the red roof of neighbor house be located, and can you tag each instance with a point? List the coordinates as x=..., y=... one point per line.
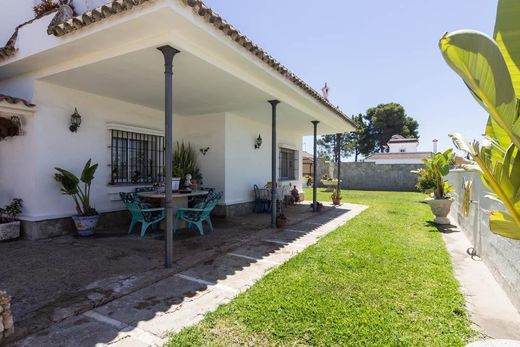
x=405, y=155
x=117, y=7
x=13, y=101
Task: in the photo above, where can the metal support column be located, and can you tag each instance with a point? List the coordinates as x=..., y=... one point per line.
x=168, y=52
x=314, y=167
x=338, y=153
x=273, y=103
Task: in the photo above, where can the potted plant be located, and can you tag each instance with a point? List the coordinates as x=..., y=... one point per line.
x=431, y=181
x=9, y=227
x=336, y=197
x=281, y=220
x=185, y=162
x=87, y=217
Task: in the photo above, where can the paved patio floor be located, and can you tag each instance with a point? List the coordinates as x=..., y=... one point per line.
x=113, y=289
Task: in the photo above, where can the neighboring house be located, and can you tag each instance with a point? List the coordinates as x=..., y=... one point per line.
x=401, y=150
x=308, y=162
x=104, y=62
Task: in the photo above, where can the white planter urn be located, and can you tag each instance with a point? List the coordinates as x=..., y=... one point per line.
x=441, y=210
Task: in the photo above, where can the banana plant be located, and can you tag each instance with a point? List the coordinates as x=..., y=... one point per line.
x=438, y=166
x=70, y=185
x=489, y=69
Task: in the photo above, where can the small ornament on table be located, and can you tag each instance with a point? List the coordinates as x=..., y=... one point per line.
x=187, y=182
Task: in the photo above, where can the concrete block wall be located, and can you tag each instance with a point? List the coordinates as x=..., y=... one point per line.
x=371, y=176
x=501, y=255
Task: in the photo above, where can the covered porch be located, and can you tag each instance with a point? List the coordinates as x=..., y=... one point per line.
x=187, y=85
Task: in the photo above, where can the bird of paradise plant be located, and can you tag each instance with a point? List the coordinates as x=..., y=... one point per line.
x=490, y=69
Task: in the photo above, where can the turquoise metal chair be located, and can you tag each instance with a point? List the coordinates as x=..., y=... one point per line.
x=199, y=214
x=141, y=213
x=144, y=189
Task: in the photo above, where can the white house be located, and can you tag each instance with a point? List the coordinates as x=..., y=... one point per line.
x=401, y=150
x=104, y=62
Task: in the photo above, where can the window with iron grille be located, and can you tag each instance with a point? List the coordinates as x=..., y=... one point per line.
x=288, y=164
x=136, y=158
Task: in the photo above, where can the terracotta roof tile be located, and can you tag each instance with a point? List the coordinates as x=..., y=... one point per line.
x=119, y=6
x=13, y=101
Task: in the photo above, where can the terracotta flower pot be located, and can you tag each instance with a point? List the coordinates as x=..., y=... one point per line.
x=281, y=222
x=441, y=210
x=336, y=201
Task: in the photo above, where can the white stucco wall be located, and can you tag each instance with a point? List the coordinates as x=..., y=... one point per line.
x=17, y=164
x=406, y=147
x=56, y=146
x=247, y=166
x=201, y=132
x=231, y=165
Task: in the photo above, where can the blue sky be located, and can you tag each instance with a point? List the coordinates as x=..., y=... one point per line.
x=371, y=52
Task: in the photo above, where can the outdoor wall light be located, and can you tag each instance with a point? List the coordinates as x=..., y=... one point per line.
x=75, y=121
x=204, y=150
x=258, y=142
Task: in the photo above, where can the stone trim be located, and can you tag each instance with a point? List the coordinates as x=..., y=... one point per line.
x=48, y=228
x=234, y=210
x=6, y=318
x=15, y=101
x=44, y=229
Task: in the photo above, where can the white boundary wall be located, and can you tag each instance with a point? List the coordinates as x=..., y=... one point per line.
x=501, y=255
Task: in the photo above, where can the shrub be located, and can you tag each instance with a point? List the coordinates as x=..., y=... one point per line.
x=9, y=212
x=425, y=181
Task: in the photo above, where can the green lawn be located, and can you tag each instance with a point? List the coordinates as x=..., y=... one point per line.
x=382, y=279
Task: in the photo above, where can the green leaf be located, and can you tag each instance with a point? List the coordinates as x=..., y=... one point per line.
x=87, y=175
x=501, y=223
x=477, y=59
x=507, y=36
x=460, y=143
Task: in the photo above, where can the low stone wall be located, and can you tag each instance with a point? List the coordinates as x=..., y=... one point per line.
x=371, y=176
x=501, y=255
x=6, y=318
x=36, y=230
x=235, y=210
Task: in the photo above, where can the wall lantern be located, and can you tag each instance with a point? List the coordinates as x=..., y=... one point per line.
x=258, y=142
x=75, y=121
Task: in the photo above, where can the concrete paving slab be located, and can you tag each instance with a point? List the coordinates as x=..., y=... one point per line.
x=75, y=331
x=189, y=313
x=488, y=305
x=234, y=272
x=146, y=316
x=152, y=301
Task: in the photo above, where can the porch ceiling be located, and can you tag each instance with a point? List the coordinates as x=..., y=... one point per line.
x=199, y=87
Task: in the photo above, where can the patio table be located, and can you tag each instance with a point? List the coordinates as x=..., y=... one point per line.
x=180, y=200
x=265, y=193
